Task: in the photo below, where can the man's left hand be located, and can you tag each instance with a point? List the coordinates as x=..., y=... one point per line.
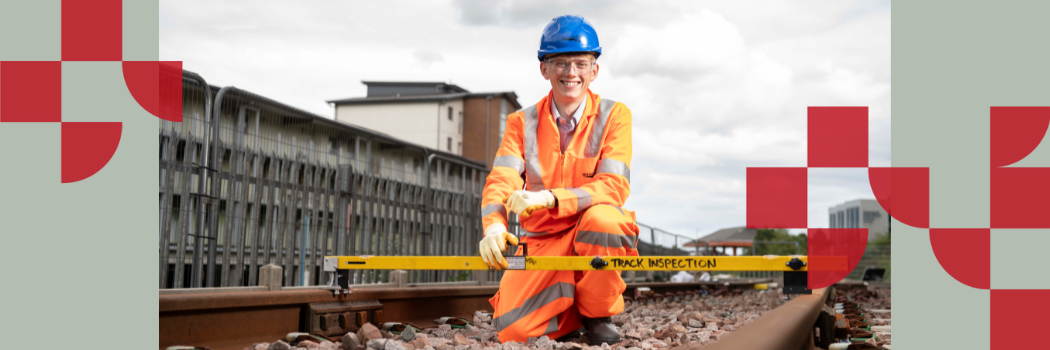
x=525, y=202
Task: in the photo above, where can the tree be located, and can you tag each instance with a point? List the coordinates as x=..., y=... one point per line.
x=881, y=239
x=778, y=242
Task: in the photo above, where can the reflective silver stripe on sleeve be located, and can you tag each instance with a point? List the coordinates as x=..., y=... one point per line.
x=552, y=326
x=528, y=233
x=492, y=208
x=510, y=162
x=607, y=240
x=546, y=296
x=594, y=144
x=533, y=176
x=583, y=198
x=613, y=166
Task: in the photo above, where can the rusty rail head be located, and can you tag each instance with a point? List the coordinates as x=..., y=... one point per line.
x=209, y=301
x=788, y=327
x=231, y=321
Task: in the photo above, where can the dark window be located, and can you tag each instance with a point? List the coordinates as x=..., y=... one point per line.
x=450, y=144
x=871, y=216
x=449, y=112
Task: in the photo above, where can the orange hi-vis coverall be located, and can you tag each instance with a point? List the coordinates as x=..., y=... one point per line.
x=590, y=180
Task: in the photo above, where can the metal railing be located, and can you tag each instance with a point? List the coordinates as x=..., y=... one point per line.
x=253, y=181
x=653, y=241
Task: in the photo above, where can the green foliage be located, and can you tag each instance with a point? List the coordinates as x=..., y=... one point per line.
x=462, y=276
x=881, y=239
x=778, y=242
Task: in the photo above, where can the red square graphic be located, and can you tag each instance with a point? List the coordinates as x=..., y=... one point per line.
x=838, y=137
x=776, y=197
x=1019, y=318
x=1019, y=198
x=30, y=91
x=92, y=30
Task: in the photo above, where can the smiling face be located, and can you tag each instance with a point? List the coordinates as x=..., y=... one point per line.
x=569, y=83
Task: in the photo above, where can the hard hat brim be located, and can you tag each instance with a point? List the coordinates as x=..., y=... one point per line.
x=543, y=53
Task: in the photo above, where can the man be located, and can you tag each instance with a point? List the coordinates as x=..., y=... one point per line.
x=572, y=153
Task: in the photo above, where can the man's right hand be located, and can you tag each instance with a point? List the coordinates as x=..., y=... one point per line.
x=494, y=244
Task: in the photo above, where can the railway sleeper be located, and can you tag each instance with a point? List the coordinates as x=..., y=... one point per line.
x=333, y=319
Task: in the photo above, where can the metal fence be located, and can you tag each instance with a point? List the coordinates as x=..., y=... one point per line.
x=247, y=181
x=653, y=241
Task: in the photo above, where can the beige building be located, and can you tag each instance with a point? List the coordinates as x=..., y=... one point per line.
x=860, y=213
x=436, y=115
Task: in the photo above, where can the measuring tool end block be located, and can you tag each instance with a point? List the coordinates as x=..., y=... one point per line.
x=597, y=263
x=796, y=282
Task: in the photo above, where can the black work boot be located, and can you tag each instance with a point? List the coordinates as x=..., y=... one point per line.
x=601, y=330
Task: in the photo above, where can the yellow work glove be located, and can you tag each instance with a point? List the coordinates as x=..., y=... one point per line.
x=525, y=202
x=494, y=244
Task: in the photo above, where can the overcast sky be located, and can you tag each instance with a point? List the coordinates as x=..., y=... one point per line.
x=714, y=87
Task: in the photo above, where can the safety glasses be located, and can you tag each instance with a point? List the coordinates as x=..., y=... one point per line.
x=562, y=66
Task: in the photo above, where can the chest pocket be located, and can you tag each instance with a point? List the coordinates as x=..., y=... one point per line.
x=583, y=170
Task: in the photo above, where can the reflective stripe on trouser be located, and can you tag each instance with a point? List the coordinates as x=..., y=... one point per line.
x=529, y=302
x=603, y=230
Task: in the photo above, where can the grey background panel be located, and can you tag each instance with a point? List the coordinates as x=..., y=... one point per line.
x=69, y=250
x=31, y=30
x=1018, y=258
x=141, y=32
x=951, y=62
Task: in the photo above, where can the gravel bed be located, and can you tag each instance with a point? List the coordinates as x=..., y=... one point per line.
x=680, y=321
x=658, y=321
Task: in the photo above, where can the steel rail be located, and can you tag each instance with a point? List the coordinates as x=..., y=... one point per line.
x=234, y=320
x=788, y=327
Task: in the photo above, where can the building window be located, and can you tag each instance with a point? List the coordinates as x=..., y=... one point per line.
x=449, y=112
x=871, y=216
x=459, y=148
x=450, y=144
x=855, y=214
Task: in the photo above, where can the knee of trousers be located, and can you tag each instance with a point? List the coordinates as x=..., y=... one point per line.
x=556, y=327
x=605, y=230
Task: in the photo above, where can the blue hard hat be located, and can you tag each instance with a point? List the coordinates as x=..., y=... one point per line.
x=569, y=34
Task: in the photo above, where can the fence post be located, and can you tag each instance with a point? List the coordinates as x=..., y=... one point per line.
x=213, y=165
x=270, y=277
x=652, y=236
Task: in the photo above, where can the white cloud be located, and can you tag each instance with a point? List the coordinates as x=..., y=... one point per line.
x=428, y=57
x=691, y=45
x=714, y=87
